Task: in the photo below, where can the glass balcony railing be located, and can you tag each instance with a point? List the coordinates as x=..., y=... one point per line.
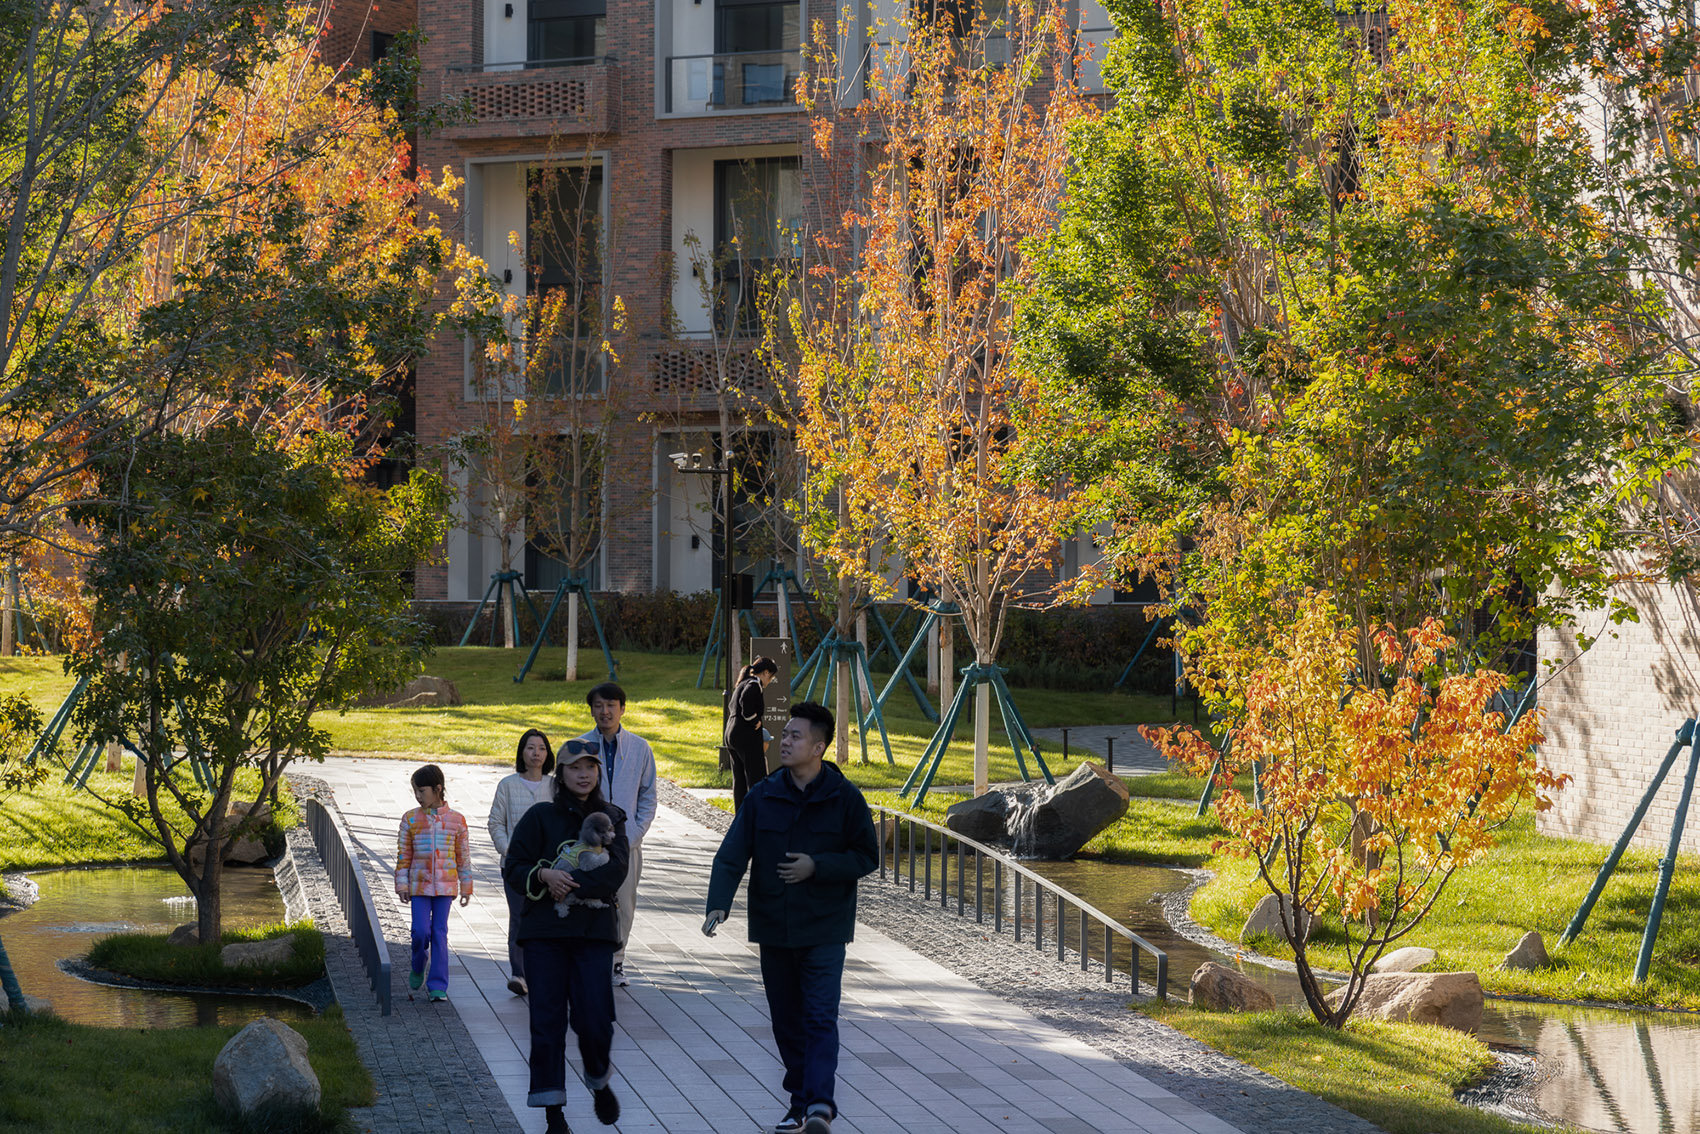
x=739, y=80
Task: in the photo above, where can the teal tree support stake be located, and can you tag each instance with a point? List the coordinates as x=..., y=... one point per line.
x=1667, y=866
x=1684, y=738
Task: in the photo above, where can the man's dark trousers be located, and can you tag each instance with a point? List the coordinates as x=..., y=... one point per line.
x=803, y=988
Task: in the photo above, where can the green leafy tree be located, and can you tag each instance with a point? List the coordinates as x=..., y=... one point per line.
x=20, y=724
x=1330, y=308
x=240, y=587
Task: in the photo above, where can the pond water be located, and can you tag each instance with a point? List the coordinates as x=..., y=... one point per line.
x=1597, y=1068
x=78, y=907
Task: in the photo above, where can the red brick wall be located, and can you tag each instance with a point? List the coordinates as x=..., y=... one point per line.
x=638, y=175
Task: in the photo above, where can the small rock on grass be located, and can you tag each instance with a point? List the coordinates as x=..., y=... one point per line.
x=1220, y=988
x=1530, y=953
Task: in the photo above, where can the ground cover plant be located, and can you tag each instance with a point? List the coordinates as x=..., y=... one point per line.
x=147, y=957
x=56, y=1076
x=1402, y=1077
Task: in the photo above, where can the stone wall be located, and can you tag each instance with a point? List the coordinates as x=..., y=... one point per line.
x=1612, y=712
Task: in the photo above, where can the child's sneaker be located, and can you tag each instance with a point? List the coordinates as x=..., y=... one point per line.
x=437, y=994
x=414, y=980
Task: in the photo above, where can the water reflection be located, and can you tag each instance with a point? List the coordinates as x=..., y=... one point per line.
x=1600, y=1068
x=78, y=907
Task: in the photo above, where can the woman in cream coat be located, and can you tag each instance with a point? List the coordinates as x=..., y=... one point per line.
x=530, y=784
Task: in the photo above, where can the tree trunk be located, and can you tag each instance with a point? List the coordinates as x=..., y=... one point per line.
x=504, y=611
x=865, y=700
x=932, y=652
x=572, y=635
x=841, y=695
x=114, y=756
x=9, y=983
x=982, y=737
x=782, y=607
x=9, y=611
x=209, y=917
x=947, y=665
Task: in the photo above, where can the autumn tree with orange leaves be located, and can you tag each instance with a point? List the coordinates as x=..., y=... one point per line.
x=913, y=403
x=1370, y=792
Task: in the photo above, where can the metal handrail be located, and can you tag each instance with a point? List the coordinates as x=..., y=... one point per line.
x=902, y=868
x=337, y=853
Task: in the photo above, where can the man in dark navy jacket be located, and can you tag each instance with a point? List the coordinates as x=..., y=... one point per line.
x=806, y=836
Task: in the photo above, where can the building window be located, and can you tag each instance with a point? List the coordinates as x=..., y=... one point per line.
x=381, y=44
x=566, y=31
x=762, y=38
x=563, y=216
x=758, y=214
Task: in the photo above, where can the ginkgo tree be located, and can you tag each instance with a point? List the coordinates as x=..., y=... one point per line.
x=1365, y=792
x=957, y=152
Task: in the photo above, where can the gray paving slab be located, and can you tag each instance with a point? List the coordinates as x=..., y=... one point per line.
x=930, y=1048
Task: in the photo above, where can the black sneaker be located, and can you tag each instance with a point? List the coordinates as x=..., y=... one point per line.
x=619, y=974
x=557, y=1122
x=607, y=1106
x=792, y=1123
x=817, y=1122
x=517, y=986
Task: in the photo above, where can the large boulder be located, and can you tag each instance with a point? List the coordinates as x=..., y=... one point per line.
x=185, y=934
x=982, y=818
x=264, y=1066
x=1530, y=953
x=1266, y=919
x=1067, y=817
x=442, y=692
x=1452, y=1000
x=246, y=848
x=1223, y=989
x=1406, y=960
x=259, y=954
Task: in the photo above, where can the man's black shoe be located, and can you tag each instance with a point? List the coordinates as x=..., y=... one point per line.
x=792, y=1123
x=557, y=1122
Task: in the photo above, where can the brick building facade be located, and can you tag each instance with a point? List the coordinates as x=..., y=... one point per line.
x=1612, y=712
x=672, y=101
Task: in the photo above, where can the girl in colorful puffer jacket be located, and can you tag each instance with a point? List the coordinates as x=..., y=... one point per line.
x=432, y=864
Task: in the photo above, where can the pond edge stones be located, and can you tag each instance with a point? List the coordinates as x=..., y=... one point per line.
x=264, y=1066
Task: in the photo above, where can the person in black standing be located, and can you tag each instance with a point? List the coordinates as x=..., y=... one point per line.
x=806, y=836
x=744, y=734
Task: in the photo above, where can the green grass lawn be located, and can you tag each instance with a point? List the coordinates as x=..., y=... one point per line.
x=681, y=721
x=54, y=824
x=74, y=1078
x=1527, y=882
x=147, y=956
x=1402, y=1077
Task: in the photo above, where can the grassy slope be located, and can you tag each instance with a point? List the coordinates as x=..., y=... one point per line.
x=56, y=1076
x=1401, y=1077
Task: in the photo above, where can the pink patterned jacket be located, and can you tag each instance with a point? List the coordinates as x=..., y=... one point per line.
x=432, y=858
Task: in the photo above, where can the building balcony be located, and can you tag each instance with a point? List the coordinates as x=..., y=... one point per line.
x=732, y=81
x=687, y=376
x=546, y=99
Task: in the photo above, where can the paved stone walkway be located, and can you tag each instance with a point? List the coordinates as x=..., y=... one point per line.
x=924, y=1048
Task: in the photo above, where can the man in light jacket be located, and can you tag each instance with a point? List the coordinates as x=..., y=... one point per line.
x=629, y=766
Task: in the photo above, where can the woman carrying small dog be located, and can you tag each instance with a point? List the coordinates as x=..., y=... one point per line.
x=568, y=947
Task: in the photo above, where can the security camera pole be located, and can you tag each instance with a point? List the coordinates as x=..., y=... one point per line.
x=695, y=464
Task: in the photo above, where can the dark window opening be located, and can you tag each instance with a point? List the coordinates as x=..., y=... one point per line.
x=766, y=36
x=758, y=214
x=381, y=42
x=566, y=31
x=564, y=276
